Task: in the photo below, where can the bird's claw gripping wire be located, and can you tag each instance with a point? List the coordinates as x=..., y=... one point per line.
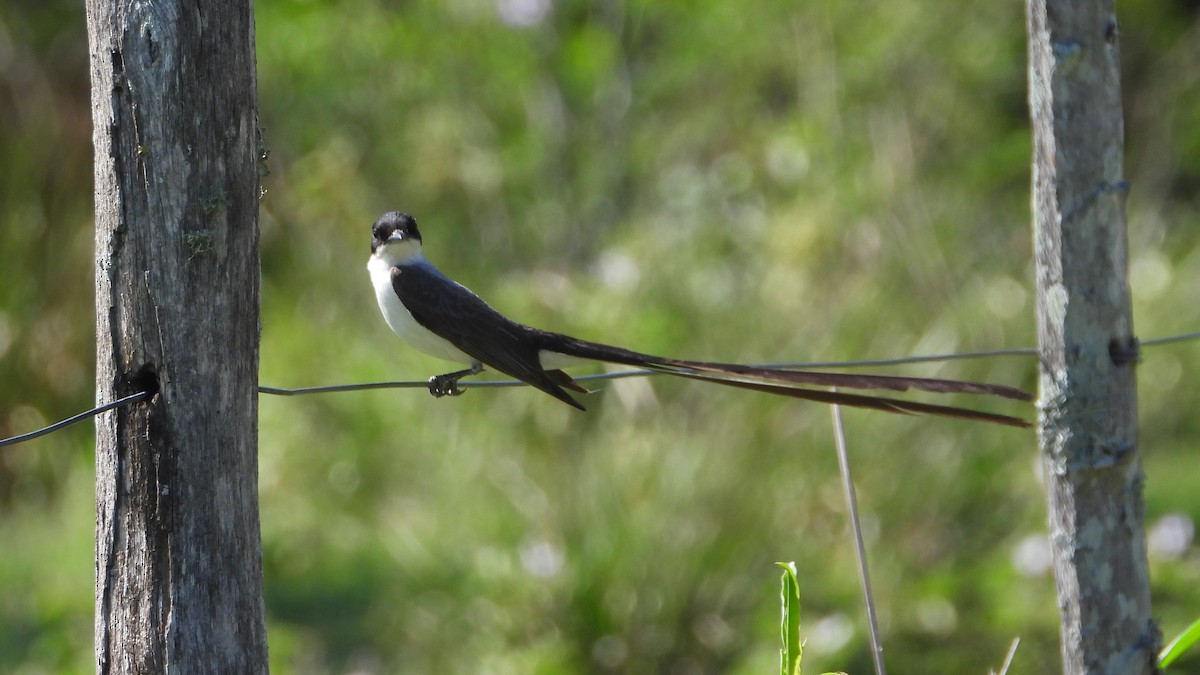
x=445, y=385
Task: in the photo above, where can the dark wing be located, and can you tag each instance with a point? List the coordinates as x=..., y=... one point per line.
x=454, y=313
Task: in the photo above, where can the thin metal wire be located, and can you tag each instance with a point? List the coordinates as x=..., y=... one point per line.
x=1155, y=342
x=132, y=398
x=792, y=365
x=336, y=388
x=339, y=388
x=860, y=549
x=620, y=374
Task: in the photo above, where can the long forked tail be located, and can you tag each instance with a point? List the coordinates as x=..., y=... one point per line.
x=892, y=405
x=793, y=383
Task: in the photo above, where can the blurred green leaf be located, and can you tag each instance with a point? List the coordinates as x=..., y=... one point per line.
x=1179, y=645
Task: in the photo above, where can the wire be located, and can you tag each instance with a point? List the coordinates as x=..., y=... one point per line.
x=620, y=374
x=1170, y=340
x=337, y=388
x=132, y=398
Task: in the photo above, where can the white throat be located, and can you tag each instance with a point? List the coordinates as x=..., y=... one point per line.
x=400, y=252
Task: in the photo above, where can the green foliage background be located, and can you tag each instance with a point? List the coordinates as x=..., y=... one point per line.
x=765, y=181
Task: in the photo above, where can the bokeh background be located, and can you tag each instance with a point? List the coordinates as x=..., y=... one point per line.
x=765, y=181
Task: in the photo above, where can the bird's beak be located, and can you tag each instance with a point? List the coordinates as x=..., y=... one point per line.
x=397, y=235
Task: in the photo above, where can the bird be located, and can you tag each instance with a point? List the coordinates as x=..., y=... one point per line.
x=445, y=319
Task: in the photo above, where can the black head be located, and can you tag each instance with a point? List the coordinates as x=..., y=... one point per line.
x=394, y=226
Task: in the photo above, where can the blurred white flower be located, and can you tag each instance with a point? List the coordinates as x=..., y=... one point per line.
x=1171, y=536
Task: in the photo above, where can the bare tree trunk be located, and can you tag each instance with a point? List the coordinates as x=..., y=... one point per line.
x=178, y=556
x=1088, y=425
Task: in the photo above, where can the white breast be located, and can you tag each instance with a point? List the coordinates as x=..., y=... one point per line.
x=401, y=321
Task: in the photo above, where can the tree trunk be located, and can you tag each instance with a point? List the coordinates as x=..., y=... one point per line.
x=178, y=556
x=1088, y=398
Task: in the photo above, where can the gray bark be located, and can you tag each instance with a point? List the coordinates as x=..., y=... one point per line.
x=178, y=556
x=1088, y=396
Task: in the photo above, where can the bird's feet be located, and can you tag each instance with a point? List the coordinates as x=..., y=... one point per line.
x=445, y=385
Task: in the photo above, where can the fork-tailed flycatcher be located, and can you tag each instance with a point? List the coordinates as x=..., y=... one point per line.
x=444, y=319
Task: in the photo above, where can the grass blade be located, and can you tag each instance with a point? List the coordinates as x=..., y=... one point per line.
x=1182, y=642
x=789, y=627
